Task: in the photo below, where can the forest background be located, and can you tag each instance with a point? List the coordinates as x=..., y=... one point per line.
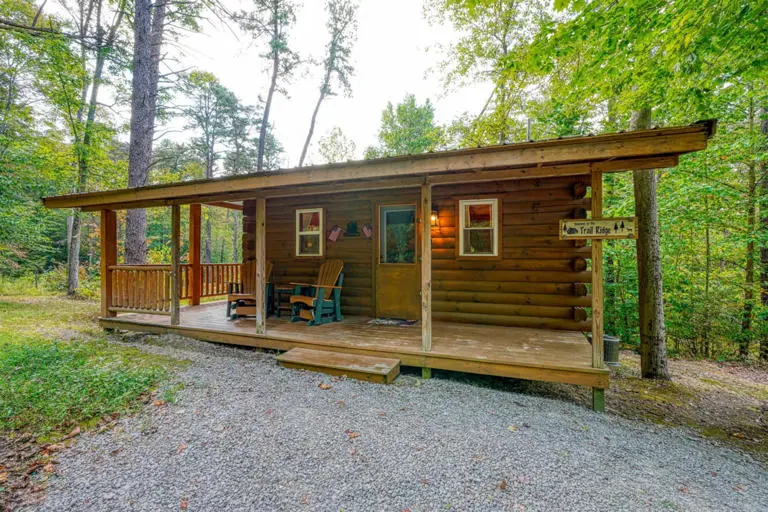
x=540, y=69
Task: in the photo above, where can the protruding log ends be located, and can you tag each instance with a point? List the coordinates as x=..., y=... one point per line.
x=579, y=190
x=579, y=213
x=579, y=289
x=579, y=314
x=579, y=264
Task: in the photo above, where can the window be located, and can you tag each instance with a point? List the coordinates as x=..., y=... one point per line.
x=479, y=221
x=398, y=234
x=309, y=232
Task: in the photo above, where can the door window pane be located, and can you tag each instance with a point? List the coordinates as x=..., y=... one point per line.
x=398, y=234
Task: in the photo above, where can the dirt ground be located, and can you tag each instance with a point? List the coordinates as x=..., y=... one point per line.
x=723, y=401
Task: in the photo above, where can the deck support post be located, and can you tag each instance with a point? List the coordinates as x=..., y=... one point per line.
x=426, y=272
x=598, y=395
x=195, y=277
x=175, y=263
x=108, y=258
x=261, y=255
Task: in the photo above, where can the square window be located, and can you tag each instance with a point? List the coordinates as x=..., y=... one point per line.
x=479, y=227
x=309, y=232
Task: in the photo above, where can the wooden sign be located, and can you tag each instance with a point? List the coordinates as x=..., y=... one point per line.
x=603, y=228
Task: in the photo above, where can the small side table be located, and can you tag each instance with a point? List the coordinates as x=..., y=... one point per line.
x=284, y=293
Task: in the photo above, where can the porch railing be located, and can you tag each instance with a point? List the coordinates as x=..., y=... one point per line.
x=141, y=288
x=147, y=288
x=216, y=276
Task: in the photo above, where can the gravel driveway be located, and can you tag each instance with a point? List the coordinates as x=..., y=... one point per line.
x=245, y=434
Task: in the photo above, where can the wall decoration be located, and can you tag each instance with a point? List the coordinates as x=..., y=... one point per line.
x=602, y=228
x=334, y=233
x=367, y=230
x=351, y=229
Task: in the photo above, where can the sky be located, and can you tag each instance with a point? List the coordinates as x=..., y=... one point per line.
x=395, y=49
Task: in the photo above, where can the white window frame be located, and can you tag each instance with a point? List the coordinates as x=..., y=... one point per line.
x=320, y=233
x=494, y=202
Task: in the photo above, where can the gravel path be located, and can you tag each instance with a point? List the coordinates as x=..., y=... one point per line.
x=245, y=434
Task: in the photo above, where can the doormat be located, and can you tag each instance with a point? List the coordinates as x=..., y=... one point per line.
x=391, y=321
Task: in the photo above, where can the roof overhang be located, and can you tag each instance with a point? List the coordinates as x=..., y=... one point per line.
x=644, y=149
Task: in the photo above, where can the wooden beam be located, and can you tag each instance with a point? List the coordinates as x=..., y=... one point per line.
x=532, y=172
x=261, y=255
x=426, y=267
x=597, y=275
x=108, y=259
x=637, y=144
x=195, y=277
x=175, y=263
x=226, y=204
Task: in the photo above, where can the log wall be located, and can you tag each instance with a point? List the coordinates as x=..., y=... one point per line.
x=539, y=280
x=358, y=252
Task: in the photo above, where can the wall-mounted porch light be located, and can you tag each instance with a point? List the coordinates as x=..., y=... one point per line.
x=434, y=218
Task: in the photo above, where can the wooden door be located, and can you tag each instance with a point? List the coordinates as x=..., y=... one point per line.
x=397, y=267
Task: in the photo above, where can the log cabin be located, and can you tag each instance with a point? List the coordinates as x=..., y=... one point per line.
x=461, y=247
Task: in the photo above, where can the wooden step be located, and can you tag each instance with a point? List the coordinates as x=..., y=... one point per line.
x=371, y=369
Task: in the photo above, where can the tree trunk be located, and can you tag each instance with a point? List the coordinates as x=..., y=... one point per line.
x=267, y=106
x=653, y=347
x=323, y=89
x=83, y=148
x=208, y=239
x=148, y=40
x=764, y=248
x=235, y=236
x=749, y=271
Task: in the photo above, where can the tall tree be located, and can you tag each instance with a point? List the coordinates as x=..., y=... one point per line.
x=76, y=93
x=488, y=33
x=211, y=109
x=272, y=20
x=764, y=227
x=653, y=339
x=149, y=27
x=342, y=26
x=406, y=129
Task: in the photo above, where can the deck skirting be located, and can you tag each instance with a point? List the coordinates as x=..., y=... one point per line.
x=591, y=377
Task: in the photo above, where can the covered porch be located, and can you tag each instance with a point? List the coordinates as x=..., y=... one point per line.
x=525, y=353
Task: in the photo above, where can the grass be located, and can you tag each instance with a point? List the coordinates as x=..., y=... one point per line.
x=57, y=370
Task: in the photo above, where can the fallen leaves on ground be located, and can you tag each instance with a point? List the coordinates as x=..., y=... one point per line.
x=324, y=386
x=351, y=434
x=502, y=485
x=159, y=403
x=513, y=428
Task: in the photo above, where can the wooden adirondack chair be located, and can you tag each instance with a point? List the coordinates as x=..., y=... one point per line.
x=319, y=303
x=241, y=300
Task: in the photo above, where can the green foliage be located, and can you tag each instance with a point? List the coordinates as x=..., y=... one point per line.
x=336, y=147
x=48, y=385
x=584, y=68
x=407, y=129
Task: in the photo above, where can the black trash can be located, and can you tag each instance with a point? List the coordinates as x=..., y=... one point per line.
x=610, y=349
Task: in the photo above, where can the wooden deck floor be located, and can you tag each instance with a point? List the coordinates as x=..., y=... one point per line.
x=535, y=354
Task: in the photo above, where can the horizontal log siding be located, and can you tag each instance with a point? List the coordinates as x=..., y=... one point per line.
x=539, y=281
x=357, y=296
